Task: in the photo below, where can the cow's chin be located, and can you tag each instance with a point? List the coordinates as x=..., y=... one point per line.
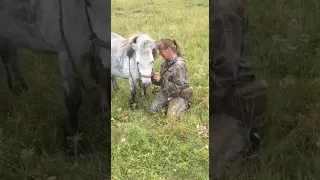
x=146, y=82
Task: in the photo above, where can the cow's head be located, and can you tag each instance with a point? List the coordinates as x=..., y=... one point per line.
x=143, y=50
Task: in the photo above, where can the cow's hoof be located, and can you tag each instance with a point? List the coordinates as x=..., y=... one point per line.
x=74, y=145
x=132, y=106
x=115, y=87
x=19, y=87
x=76, y=148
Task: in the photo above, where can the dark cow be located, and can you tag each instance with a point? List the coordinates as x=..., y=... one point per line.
x=75, y=30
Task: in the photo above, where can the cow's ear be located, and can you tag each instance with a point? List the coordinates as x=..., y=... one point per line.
x=88, y=3
x=133, y=43
x=154, y=44
x=134, y=46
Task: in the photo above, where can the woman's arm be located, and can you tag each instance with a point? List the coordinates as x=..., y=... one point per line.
x=155, y=82
x=177, y=80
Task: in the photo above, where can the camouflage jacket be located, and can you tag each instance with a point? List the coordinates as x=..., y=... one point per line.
x=229, y=49
x=175, y=78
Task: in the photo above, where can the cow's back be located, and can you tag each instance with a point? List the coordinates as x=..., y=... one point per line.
x=119, y=58
x=116, y=40
x=117, y=46
x=30, y=24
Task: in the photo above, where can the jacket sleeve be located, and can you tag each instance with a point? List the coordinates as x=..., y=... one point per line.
x=158, y=83
x=225, y=46
x=161, y=80
x=178, y=81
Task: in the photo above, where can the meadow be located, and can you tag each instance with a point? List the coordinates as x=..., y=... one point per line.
x=31, y=127
x=285, y=52
x=146, y=146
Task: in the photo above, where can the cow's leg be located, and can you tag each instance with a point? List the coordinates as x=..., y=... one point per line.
x=97, y=74
x=95, y=69
x=133, y=93
x=105, y=128
x=145, y=92
x=144, y=88
x=106, y=96
x=9, y=56
x=73, y=98
x=114, y=83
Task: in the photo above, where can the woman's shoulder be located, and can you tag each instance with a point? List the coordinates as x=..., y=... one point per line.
x=180, y=60
x=163, y=63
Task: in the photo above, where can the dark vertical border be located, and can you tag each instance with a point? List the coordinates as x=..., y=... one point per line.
x=211, y=104
x=230, y=67
x=108, y=88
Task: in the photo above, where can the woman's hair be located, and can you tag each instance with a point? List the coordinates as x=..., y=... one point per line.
x=164, y=44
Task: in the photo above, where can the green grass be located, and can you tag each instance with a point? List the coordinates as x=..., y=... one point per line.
x=151, y=147
x=285, y=44
x=30, y=133
x=285, y=48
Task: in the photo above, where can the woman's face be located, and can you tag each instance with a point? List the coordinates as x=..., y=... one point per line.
x=165, y=53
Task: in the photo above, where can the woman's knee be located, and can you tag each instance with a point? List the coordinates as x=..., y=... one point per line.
x=177, y=107
x=155, y=108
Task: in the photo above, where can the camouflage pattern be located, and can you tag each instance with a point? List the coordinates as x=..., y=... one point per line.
x=229, y=49
x=229, y=140
x=174, y=78
x=229, y=67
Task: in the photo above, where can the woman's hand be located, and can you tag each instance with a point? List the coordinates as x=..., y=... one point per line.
x=156, y=76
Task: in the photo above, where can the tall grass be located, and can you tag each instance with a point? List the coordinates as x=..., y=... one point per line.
x=151, y=147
